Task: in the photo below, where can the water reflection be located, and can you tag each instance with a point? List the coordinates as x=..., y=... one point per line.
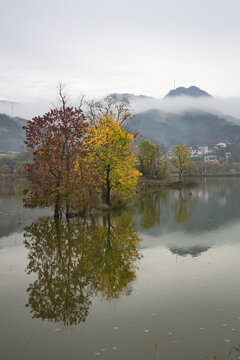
x=213, y=204
x=184, y=205
x=190, y=217
x=76, y=260
x=155, y=207
x=149, y=209
x=74, y=268
x=194, y=251
x=13, y=215
x=151, y=206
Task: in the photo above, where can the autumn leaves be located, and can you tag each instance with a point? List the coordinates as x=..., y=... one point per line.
x=76, y=163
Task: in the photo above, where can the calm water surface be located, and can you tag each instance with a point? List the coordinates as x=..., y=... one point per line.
x=159, y=281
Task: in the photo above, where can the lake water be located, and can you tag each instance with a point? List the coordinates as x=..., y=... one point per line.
x=158, y=281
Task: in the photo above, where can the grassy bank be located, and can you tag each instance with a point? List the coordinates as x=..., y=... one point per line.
x=147, y=184
x=225, y=174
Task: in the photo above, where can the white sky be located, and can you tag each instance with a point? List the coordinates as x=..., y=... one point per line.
x=102, y=46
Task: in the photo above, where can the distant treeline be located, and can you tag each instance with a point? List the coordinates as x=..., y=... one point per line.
x=13, y=164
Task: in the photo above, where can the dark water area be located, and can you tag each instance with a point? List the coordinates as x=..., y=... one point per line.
x=156, y=281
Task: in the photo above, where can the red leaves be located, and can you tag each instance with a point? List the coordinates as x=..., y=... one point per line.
x=56, y=140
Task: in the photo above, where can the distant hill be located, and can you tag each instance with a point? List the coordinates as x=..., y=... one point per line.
x=192, y=91
x=191, y=127
x=12, y=135
x=132, y=97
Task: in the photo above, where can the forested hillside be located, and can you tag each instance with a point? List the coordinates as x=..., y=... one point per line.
x=12, y=134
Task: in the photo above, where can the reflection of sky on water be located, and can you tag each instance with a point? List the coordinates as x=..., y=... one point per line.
x=13, y=216
x=185, y=289
x=187, y=220
x=194, y=218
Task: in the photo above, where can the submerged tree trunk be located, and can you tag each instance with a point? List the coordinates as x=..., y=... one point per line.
x=109, y=231
x=57, y=211
x=108, y=187
x=67, y=208
x=180, y=174
x=107, y=224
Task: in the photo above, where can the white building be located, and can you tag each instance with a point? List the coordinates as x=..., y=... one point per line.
x=227, y=155
x=204, y=149
x=221, y=145
x=210, y=158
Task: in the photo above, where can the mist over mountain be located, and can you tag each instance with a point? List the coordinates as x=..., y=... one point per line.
x=191, y=127
x=12, y=135
x=196, y=118
x=186, y=115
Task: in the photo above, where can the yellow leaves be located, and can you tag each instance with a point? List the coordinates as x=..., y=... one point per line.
x=111, y=147
x=182, y=152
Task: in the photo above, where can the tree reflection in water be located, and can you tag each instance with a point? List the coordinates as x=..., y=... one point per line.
x=153, y=206
x=150, y=207
x=184, y=206
x=76, y=260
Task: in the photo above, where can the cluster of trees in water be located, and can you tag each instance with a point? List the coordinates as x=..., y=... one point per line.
x=86, y=159
x=81, y=159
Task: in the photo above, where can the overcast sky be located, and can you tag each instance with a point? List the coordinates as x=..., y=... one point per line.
x=102, y=46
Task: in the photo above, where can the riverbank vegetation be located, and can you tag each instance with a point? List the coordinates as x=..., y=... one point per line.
x=80, y=165
x=79, y=161
x=12, y=165
x=83, y=159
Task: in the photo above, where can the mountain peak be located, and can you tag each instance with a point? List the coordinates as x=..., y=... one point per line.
x=192, y=91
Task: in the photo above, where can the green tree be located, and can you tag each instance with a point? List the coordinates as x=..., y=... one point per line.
x=148, y=156
x=5, y=170
x=152, y=162
x=19, y=169
x=181, y=159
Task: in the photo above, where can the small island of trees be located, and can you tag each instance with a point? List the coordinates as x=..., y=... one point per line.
x=80, y=159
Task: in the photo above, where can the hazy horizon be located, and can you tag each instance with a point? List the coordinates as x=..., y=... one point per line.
x=217, y=105
x=104, y=47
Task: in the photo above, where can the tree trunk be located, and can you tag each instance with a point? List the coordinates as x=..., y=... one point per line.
x=108, y=187
x=180, y=174
x=57, y=207
x=67, y=199
x=67, y=208
x=109, y=244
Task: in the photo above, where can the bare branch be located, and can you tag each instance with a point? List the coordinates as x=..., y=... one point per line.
x=63, y=97
x=81, y=102
x=111, y=105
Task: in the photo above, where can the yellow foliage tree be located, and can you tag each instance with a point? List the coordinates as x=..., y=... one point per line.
x=111, y=156
x=182, y=159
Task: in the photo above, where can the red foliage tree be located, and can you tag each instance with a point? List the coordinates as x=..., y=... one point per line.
x=56, y=139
